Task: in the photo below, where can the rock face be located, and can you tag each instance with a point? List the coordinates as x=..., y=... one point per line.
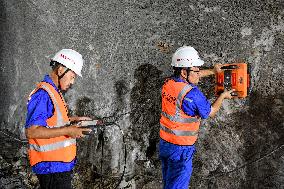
x=127, y=47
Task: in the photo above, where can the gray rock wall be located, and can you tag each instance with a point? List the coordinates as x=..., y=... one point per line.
x=127, y=47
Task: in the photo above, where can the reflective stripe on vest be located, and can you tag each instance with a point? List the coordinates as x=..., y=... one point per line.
x=180, y=128
x=179, y=119
x=178, y=132
x=54, y=146
x=62, y=148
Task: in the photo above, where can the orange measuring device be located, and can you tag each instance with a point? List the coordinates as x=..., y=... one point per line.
x=233, y=76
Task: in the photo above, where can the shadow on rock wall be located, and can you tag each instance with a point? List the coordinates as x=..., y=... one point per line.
x=248, y=147
x=3, y=86
x=145, y=107
x=262, y=128
x=121, y=90
x=144, y=117
x=2, y=24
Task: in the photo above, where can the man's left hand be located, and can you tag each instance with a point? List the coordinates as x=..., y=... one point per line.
x=217, y=68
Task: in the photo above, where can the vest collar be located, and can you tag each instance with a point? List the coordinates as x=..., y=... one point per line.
x=48, y=79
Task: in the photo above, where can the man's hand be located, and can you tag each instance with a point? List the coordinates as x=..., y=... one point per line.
x=217, y=68
x=75, y=131
x=217, y=104
x=207, y=72
x=227, y=94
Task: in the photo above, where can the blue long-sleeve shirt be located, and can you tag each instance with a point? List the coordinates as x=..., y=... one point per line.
x=195, y=103
x=39, y=109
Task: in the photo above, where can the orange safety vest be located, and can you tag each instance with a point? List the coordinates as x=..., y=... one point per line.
x=62, y=148
x=177, y=127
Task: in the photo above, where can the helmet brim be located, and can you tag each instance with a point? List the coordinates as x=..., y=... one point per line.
x=196, y=63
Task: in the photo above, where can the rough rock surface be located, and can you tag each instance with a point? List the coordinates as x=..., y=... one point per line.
x=127, y=47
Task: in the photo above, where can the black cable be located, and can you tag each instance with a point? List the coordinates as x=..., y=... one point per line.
x=208, y=178
x=101, y=137
x=14, y=138
x=102, y=153
x=245, y=164
x=125, y=158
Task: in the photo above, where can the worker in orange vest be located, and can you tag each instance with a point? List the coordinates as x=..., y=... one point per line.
x=52, y=143
x=183, y=105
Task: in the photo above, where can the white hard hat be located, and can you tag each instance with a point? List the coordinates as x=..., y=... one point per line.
x=185, y=57
x=70, y=59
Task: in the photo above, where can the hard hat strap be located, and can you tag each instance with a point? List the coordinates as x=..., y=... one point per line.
x=61, y=76
x=187, y=72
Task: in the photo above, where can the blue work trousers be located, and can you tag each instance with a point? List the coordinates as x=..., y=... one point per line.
x=176, y=165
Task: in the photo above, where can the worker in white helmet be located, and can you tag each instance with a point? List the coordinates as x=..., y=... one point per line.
x=52, y=143
x=183, y=105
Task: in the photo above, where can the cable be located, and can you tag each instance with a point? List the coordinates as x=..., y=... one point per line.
x=102, y=153
x=14, y=138
x=113, y=118
x=215, y=176
x=245, y=164
x=125, y=149
x=125, y=158
x=101, y=137
x=102, y=149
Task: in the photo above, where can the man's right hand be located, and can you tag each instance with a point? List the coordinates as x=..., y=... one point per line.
x=227, y=94
x=75, y=131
